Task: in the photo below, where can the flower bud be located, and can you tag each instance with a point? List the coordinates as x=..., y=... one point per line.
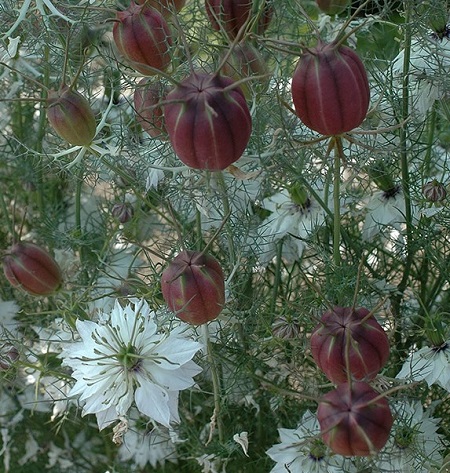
x=286, y=328
x=122, y=212
x=8, y=355
x=31, y=268
x=71, y=116
x=434, y=191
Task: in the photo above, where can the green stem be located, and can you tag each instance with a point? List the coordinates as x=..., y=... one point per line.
x=78, y=226
x=338, y=155
x=431, y=125
x=198, y=222
x=42, y=128
x=6, y=218
x=227, y=211
x=215, y=382
x=404, y=150
x=276, y=283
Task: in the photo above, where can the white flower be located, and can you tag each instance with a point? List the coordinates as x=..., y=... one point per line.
x=153, y=447
x=287, y=219
x=385, y=208
x=124, y=358
x=429, y=61
x=429, y=364
x=301, y=450
x=414, y=444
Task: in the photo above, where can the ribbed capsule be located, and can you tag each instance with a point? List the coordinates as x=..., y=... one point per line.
x=193, y=286
x=349, y=342
x=231, y=15
x=246, y=61
x=71, y=116
x=330, y=89
x=208, y=121
x=143, y=37
x=352, y=422
x=30, y=267
x=148, y=109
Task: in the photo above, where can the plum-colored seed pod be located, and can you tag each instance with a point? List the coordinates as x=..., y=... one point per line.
x=330, y=89
x=246, y=61
x=351, y=422
x=30, y=267
x=143, y=37
x=71, y=116
x=193, y=286
x=208, y=121
x=148, y=109
x=231, y=15
x=349, y=340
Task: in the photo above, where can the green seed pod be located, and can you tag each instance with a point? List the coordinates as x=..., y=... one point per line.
x=71, y=116
x=31, y=268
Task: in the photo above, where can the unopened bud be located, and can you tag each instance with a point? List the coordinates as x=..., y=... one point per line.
x=8, y=355
x=122, y=212
x=434, y=191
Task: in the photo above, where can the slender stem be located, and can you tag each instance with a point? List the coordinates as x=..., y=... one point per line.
x=215, y=382
x=198, y=223
x=78, y=226
x=431, y=125
x=403, y=147
x=276, y=282
x=42, y=128
x=6, y=219
x=227, y=211
x=338, y=154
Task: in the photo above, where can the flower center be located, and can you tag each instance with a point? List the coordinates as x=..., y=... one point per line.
x=130, y=358
x=404, y=437
x=392, y=192
x=317, y=451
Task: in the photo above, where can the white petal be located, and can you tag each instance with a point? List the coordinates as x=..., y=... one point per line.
x=153, y=401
